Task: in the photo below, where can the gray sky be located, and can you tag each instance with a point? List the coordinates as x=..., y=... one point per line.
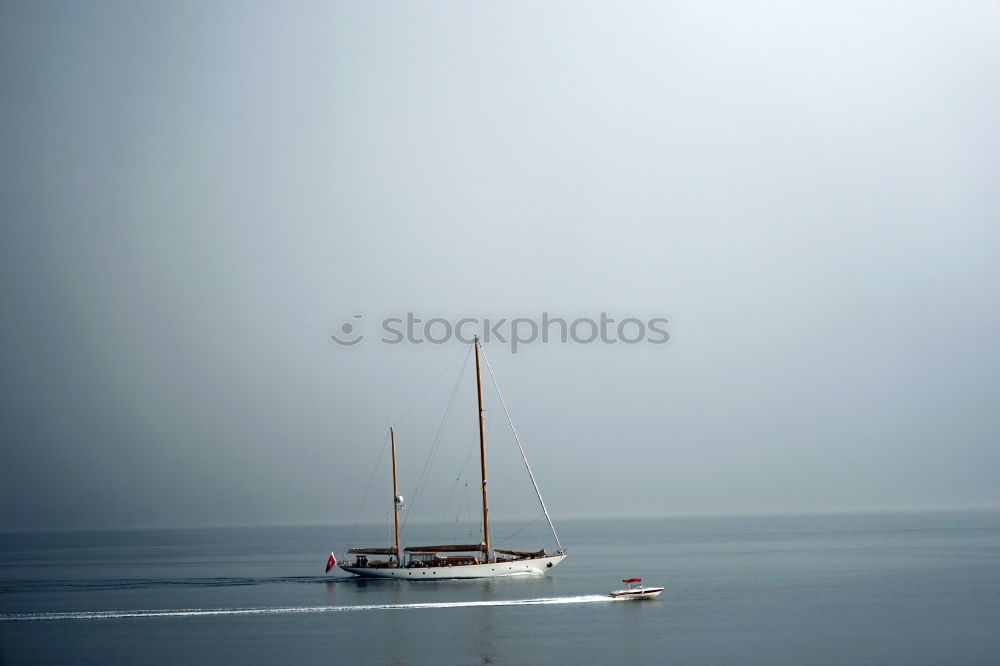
x=195, y=195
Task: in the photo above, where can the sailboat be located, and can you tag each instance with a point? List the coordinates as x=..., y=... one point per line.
x=438, y=562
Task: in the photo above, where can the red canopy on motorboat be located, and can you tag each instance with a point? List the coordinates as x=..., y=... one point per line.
x=632, y=580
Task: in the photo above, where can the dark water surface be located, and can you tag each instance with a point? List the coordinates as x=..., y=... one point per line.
x=861, y=589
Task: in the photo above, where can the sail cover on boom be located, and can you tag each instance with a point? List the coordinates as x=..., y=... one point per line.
x=457, y=548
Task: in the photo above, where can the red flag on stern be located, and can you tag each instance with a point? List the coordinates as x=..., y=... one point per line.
x=330, y=562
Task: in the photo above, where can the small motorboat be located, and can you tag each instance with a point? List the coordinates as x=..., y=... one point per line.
x=637, y=592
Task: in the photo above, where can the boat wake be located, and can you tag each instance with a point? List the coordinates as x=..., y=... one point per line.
x=84, y=585
x=294, y=610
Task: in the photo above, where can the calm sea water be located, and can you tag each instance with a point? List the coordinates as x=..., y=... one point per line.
x=865, y=589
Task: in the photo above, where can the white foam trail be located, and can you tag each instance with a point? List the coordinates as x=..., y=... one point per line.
x=202, y=612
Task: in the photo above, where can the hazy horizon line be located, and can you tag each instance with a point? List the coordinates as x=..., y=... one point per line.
x=708, y=515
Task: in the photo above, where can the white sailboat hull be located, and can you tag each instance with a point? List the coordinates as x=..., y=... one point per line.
x=536, y=566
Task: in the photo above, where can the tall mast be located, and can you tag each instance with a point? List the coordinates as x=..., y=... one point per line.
x=488, y=545
x=395, y=498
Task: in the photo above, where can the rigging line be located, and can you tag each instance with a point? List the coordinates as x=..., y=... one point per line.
x=537, y=534
x=461, y=497
x=357, y=516
x=511, y=536
x=437, y=440
x=432, y=385
x=474, y=522
x=458, y=479
x=442, y=508
x=521, y=449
